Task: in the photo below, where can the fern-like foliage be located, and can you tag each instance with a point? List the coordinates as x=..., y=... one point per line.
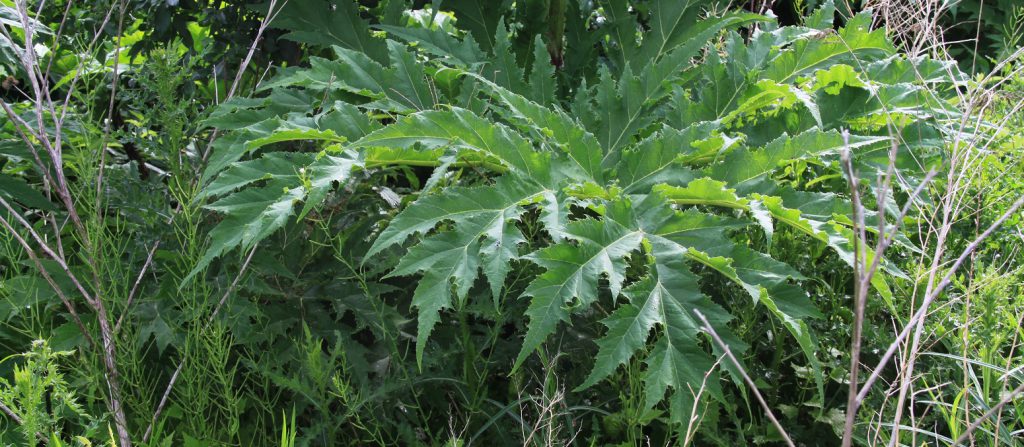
x=641, y=176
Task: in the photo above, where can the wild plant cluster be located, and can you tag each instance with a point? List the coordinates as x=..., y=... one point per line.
x=539, y=222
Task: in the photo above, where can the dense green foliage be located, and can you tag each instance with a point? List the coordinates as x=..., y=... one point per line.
x=542, y=222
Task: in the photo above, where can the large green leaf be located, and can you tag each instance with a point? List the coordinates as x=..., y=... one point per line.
x=464, y=130
x=498, y=202
x=325, y=23
x=481, y=19
x=567, y=135
x=251, y=214
x=408, y=81
x=449, y=259
x=461, y=53
x=341, y=122
x=745, y=165
x=572, y=272
x=854, y=43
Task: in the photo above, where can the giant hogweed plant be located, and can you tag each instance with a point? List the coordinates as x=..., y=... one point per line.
x=686, y=131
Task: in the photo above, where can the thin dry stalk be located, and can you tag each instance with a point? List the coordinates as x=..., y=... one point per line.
x=695, y=420
x=915, y=26
x=546, y=430
x=746, y=378
x=988, y=414
x=922, y=311
x=863, y=271
x=859, y=288
x=271, y=15
x=964, y=167
x=546, y=415
x=914, y=23
x=43, y=107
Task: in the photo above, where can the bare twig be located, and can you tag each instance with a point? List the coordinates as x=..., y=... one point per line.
x=114, y=83
x=695, y=420
x=988, y=414
x=43, y=106
x=863, y=272
x=753, y=388
x=10, y=413
x=859, y=288
x=234, y=283
x=271, y=15
x=918, y=316
x=163, y=402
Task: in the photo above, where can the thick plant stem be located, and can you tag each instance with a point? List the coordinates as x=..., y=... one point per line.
x=112, y=377
x=860, y=288
x=43, y=106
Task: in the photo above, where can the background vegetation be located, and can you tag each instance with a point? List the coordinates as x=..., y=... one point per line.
x=540, y=222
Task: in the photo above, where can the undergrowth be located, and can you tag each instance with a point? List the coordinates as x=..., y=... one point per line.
x=543, y=222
